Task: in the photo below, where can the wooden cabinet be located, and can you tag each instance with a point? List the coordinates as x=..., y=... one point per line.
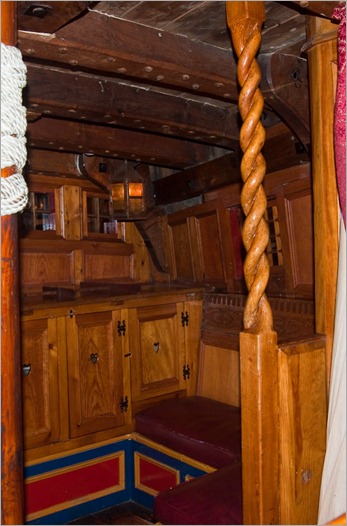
x=164, y=344
x=98, y=396
x=85, y=364
x=43, y=353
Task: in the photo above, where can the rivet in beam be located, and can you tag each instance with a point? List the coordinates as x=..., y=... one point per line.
x=71, y=110
x=63, y=50
x=165, y=127
x=160, y=77
x=107, y=116
x=29, y=51
x=137, y=121
x=115, y=154
x=195, y=86
x=213, y=137
x=46, y=112
x=185, y=77
x=153, y=159
x=82, y=117
x=110, y=59
x=80, y=146
x=32, y=144
x=51, y=143
x=219, y=84
x=113, y=122
x=121, y=70
x=61, y=148
x=73, y=62
x=107, y=151
x=191, y=132
x=133, y=155
x=227, y=95
x=148, y=69
x=138, y=159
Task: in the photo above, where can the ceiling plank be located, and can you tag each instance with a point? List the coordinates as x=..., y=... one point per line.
x=70, y=136
x=47, y=17
x=63, y=93
x=124, y=48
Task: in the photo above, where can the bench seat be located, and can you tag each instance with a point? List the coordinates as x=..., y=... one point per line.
x=215, y=498
x=201, y=428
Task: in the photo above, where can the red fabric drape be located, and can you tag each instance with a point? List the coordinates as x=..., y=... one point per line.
x=340, y=108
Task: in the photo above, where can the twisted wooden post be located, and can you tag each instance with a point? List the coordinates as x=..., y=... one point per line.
x=258, y=343
x=245, y=25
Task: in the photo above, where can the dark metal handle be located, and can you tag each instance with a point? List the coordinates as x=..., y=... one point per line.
x=94, y=357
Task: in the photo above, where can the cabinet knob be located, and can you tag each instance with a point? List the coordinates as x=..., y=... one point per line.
x=156, y=346
x=26, y=369
x=94, y=357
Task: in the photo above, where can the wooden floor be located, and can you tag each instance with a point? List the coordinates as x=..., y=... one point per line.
x=127, y=513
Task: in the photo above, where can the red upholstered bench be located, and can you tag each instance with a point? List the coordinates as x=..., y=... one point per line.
x=201, y=428
x=215, y=498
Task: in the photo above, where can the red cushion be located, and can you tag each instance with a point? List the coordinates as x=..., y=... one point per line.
x=201, y=428
x=215, y=498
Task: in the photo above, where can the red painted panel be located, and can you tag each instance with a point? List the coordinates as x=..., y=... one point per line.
x=155, y=476
x=74, y=484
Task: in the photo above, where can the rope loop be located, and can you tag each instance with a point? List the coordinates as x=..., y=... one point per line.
x=14, y=191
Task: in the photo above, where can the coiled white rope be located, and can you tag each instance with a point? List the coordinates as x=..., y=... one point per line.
x=14, y=191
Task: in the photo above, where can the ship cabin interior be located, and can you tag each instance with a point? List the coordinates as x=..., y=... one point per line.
x=169, y=285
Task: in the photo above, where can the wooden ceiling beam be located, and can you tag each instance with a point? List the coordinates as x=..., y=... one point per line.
x=64, y=93
x=284, y=86
x=324, y=9
x=77, y=137
x=116, y=47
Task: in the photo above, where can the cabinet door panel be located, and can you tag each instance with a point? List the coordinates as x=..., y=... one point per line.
x=157, y=345
x=40, y=391
x=95, y=362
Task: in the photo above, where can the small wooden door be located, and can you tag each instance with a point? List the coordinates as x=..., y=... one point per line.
x=97, y=343
x=40, y=382
x=157, y=343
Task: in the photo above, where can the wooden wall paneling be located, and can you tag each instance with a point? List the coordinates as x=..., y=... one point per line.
x=295, y=211
x=322, y=59
x=211, y=241
x=219, y=374
x=47, y=267
x=302, y=425
x=98, y=266
x=180, y=259
x=71, y=212
x=192, y=342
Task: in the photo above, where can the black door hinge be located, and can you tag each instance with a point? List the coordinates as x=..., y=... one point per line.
x=123, y=404
x=121, y=328
x=186, y=372
x=184, y=318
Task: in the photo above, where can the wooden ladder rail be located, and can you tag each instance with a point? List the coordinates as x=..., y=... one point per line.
x=12, y=489
x=258, y=342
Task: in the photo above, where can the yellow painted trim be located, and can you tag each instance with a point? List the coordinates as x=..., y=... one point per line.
x=71, y=452
x=172, y=453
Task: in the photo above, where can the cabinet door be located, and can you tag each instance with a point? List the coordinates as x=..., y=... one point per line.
x=157, y=344
x=95, y=371
x=40, y=384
